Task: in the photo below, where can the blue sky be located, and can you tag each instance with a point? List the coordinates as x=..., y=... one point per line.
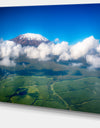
x=70, y=23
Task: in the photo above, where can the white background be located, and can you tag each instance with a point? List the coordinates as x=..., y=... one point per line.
x=23, y=116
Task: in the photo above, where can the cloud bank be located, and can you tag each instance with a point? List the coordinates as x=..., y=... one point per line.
x=89, y=49
x=82, y=48
x=9, y=51
x=93, y=60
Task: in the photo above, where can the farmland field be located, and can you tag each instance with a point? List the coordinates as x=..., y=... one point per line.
x=57, y=86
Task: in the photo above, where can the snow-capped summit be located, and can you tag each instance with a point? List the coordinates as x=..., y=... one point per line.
x=32, y=36
x=30, y=39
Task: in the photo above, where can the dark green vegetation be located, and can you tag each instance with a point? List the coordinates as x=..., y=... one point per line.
x=51, y=84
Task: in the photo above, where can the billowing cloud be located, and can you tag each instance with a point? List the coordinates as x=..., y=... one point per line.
x=60, y=48
x=44, y=51
x=40, y=53
x=98, y=49
x=82, y=48
x=7, y=62
x=93, y=60
x=9, y=51
x=31, y=52
x=64, y=56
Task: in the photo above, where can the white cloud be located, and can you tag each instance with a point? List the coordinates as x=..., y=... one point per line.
x=56, y=40
x=9, y=51
x=60, y=48
x=40, y=53
x=82, y=48
x=77, y=64
x=64, y=56
x=5, y=48
x=43, y=51
x=93, y=60
x=7, y=62
x=31, y=52
x=98, y=49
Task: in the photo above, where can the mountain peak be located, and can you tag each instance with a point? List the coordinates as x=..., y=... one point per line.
x=32, y=36
x=30, y=39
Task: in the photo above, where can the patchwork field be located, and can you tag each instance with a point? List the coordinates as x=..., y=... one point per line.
x=72, y=89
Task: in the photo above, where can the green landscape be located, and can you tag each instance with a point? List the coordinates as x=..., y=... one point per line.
x=51, y=84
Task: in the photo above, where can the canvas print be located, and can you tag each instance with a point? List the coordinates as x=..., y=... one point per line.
x=50, y=56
